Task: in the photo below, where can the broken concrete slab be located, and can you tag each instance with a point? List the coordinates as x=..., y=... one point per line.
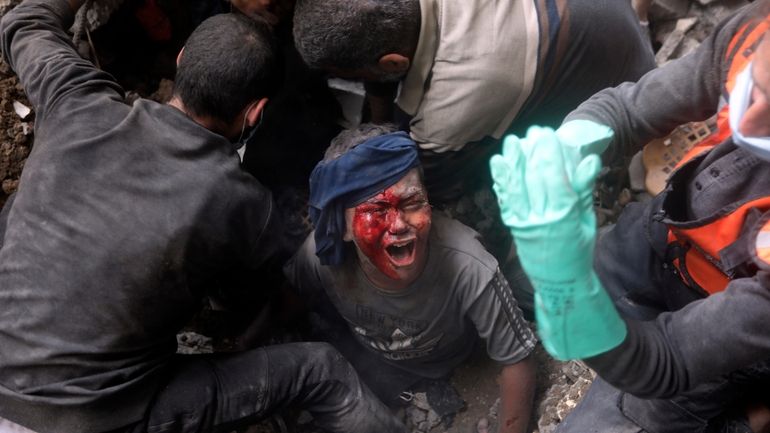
x=675, y=40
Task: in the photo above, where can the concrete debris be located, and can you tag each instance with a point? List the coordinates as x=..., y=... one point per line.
x=675, y=41
x=570, y=382
x=719, y=11
x=21, y=110
x=418, y=419
x=191, y=343
x=421, y=401
x=483, y=426
x=669, y=9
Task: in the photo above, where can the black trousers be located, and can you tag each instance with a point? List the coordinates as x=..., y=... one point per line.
x=222, y=392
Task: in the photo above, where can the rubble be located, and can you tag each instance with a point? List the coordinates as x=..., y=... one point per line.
x=669, y=9
x=680, y=25
x=21, y=110
x=676, y=44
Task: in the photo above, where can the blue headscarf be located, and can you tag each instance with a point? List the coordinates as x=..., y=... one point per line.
x=345, y=182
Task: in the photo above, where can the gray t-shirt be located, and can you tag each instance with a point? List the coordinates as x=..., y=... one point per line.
x=429, y=328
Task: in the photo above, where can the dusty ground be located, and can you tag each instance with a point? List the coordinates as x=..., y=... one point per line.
x=16, y=136
x=561, y=384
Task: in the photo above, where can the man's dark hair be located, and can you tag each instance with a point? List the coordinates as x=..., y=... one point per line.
x=350, y=138
x=354, y=34
x=227, y=62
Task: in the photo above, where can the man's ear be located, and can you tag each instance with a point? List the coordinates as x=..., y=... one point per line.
x=179, y=56
x=254, y=114
x=394, y=63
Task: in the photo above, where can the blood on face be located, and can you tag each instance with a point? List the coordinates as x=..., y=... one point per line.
x=390, y=231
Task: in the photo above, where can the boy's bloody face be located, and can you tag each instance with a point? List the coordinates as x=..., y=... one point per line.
x=390, y=231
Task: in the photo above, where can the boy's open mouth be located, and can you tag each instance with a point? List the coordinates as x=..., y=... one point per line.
x=401, y=253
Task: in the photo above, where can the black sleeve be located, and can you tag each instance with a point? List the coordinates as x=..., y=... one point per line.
x=36, y=45
x=681, y=349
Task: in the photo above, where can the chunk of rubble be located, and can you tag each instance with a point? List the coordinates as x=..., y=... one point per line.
x=676, y=40
x=21, y=110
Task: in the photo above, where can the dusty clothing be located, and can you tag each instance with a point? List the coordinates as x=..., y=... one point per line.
x=693, y=340
x=481, y=71
x=469, y=54
x=478, y=65
x=429, y=328
x=125, y=217
x=225, y=392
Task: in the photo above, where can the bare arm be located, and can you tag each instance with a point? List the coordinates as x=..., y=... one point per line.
x=517, y=389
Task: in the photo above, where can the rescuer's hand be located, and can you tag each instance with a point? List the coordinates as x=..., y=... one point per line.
x=544, y=187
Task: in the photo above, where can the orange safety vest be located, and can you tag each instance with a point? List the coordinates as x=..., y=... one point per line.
x=701, y=263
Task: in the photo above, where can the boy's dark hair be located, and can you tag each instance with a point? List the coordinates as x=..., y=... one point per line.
x=354, y=34
x=228, y=61
x=350, y=138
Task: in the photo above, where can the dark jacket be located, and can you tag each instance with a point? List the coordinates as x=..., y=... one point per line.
x=125, y=216
x=726, y=331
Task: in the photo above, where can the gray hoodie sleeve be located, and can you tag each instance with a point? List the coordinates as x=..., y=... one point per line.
x=681, y=349
x=684, y=90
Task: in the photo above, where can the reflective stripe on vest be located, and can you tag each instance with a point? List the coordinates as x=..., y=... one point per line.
x=703, y=243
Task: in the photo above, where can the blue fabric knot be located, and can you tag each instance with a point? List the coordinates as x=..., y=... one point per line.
x=345, y=182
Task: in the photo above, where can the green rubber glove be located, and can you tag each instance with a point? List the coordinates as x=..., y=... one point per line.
x=544, y=188
x=585, y=137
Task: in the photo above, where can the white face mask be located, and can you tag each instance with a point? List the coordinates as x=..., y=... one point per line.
x=740, y=99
